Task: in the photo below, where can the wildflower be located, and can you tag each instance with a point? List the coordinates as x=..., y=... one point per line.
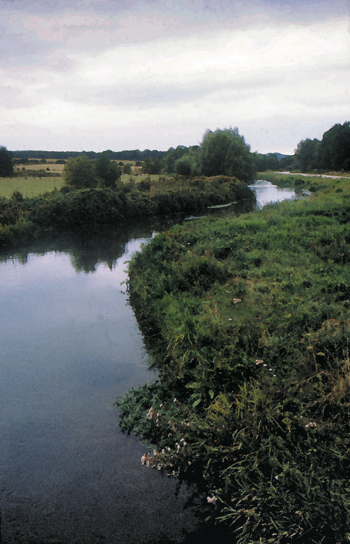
x=311, y=424
x=212, y=499
x=264, y=364
x=151, y=413
x=189, y=463
x=161, y=406
x=144, y=459
x=259, y=361
x=175, y=400
x=274, y=375
x=229, y=319
x=270, y=369
x=236, y=300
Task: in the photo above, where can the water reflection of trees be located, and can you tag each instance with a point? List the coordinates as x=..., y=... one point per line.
x=86, y=251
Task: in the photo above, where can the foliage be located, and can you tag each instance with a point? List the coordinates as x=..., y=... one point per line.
x=79, y=173
x=174, y=155
x=262, y=163
x=107, y=171
x=6, y=166
x=330, y=154
x=224, y=152
x=88, y=209
x=306, y=154
x=152, y=166
x=127, y=168
x=335, y=148
x=247, y=322
x=187, y=166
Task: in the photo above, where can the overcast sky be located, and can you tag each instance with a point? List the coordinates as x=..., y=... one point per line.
x=130, y=74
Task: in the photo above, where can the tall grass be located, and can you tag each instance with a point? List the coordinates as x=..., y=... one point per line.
x=247, y=321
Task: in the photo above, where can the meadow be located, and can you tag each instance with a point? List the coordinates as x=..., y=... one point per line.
x=247, y=322
x=37, y=179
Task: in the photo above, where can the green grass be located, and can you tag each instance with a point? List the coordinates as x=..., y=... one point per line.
x=30, y=186
x=248, y=323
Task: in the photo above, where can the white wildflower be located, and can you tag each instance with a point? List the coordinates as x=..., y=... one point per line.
x=144, y=459
x=151, y=413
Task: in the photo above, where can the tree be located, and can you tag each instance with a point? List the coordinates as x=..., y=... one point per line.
x=83, y=173
x=107, y=170
x=127, y=168
x=80, y=173
x=266, y=162
x=6, y=166
x=174, y=155
x=224, y=152
x=306, y=154
x=334, y=150
x=184, y=166
x=152, y=166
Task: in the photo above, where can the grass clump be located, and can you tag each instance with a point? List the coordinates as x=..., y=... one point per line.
x=247, y=321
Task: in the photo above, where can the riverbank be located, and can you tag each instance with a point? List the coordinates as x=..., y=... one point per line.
x=23, y=220
x=247, y=322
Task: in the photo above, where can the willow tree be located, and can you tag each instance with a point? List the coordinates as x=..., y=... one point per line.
x=225, y=152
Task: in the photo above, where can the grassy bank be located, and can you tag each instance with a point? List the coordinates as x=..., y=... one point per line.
x=247, y=320
x=87, y=210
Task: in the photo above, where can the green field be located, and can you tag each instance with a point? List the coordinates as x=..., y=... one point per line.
x=29, y=187
x=34, y=186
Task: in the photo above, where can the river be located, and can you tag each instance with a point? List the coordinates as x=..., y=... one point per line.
x=69, y=345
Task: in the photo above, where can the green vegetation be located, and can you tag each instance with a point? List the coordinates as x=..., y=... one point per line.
x=223, y=152
x=331, y=153
x=30, y=186
x=247, y=322
x=6, y=166
x=85, y=210
x=82, y=173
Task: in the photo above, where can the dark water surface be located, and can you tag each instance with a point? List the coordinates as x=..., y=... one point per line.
x=69, y=345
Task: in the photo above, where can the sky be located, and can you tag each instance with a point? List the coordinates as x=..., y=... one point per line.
x=133, y=74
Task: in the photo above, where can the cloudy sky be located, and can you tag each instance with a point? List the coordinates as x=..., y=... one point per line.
x=136, y=74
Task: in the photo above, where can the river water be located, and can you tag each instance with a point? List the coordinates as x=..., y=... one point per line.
x=69, y=345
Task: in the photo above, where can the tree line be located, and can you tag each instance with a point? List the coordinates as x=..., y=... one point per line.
x=126, y=155
x=222, y=152
x=331, y=153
